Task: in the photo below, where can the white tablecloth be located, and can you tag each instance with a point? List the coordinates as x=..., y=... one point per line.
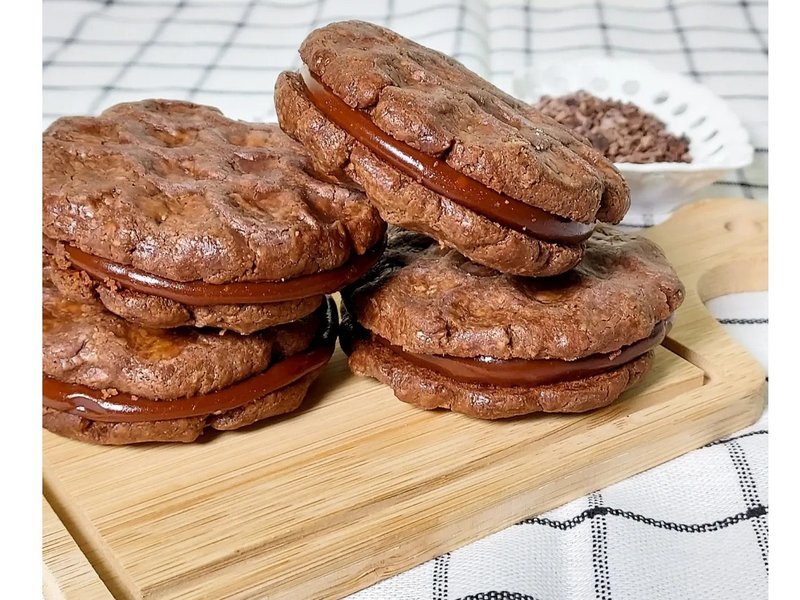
x=695, y=527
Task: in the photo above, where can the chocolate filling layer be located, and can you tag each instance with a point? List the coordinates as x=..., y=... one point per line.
x=440, y=177
x=200, y=293
x=124, y=408
x=531, y=373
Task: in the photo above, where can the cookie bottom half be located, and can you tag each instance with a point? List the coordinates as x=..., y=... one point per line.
x=281, y=401
x=428, y=389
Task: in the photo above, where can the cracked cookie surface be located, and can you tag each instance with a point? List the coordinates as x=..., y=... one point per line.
x=178, y=190
x=431, y=300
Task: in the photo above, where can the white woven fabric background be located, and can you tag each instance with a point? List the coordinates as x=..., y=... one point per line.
x=695, y=527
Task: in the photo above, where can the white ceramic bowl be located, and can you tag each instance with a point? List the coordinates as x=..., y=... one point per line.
x=718, y=141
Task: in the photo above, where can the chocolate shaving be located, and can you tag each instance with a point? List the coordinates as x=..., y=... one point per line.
x=620, y=130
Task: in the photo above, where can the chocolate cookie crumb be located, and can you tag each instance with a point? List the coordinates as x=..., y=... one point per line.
x=620, y=130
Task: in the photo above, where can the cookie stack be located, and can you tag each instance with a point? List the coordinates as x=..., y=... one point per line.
x=526, y=304
x=187, y=262
x=188, y=258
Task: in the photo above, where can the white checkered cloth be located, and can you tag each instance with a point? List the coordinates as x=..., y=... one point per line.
x=695, y=527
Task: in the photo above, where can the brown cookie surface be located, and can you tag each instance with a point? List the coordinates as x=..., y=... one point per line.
x=433, y=104
x=431, y=300
x=178, y=190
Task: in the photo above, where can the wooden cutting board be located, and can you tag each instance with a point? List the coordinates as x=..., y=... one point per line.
x=359, y=486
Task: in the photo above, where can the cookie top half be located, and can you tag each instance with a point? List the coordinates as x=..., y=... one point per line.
x=436, y=105
x=180, y=191
x=431, y=300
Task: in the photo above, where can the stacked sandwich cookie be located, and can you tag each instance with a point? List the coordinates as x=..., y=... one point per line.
x=526, y=304
x=187, y=262
x=441, y=151
x=444, y=332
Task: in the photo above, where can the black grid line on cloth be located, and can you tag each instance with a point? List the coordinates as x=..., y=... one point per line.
x=498, y=595
x=111, y=86
x=390, y=8
x=746, y=189
x=751, y=498
x=460, y=30
x=223, y=48
x=528, y=29
x=590, y=514
x=752, y=25
x=756, y=321
x=459, y=36
x=441, y=577
x=603, y=25
x=314, y=24
x=748, y=184
x=602, y=580
x=692, y=67
x=72, y=37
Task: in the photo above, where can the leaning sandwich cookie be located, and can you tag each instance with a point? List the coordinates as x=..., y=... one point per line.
x=170, y=214
x=441, y=151
x=443, y=332
x=109, y=381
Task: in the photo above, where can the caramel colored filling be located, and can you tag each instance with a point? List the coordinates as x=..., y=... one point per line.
x=438, y=176
x=125, y=408
x=200, y=293
x=530, y=373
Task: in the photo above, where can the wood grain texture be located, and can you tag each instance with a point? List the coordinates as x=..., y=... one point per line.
x=358, y=486
x=66, y=574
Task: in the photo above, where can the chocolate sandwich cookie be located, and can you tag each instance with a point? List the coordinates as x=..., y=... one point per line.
x=443, y=332
x=109, y=381
x=171, y=214
x=441, y=151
